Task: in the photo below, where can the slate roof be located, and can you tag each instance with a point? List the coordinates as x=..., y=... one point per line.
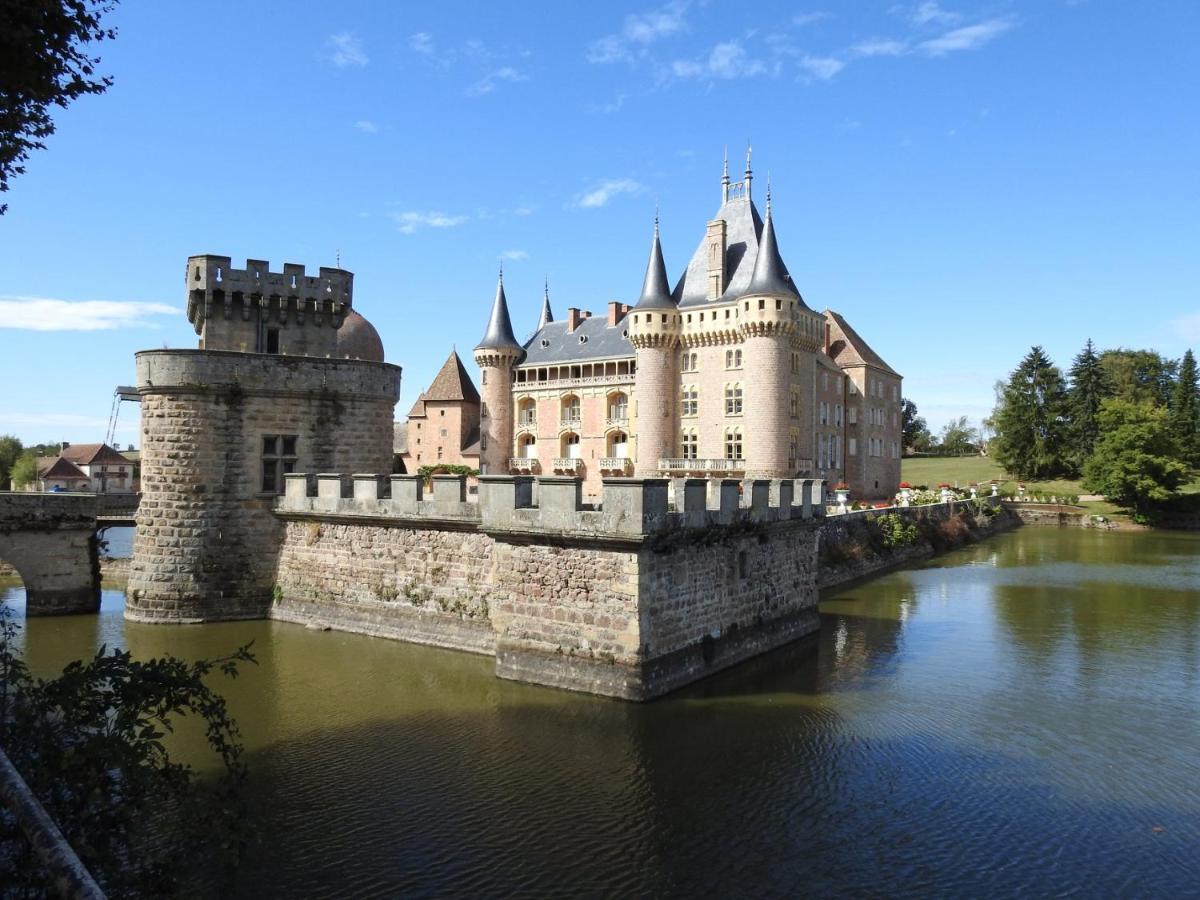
x=499, y=334
x=93, y=454
x=451, y=383
x=743, y=226
x=656, y=292
x=770, y=275
x=602, y=341
x=547, y=315
x=849, y=349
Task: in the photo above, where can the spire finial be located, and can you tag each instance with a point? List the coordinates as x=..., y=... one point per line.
x=768, y=192
x=749, y=174
x=656, y=218
x=546, y=288
x=337, y=255
x=502, y=270
x=725, y=178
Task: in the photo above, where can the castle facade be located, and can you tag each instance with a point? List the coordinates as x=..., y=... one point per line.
x=728, y=374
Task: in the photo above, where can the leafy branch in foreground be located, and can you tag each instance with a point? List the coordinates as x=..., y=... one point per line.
x=93, y=745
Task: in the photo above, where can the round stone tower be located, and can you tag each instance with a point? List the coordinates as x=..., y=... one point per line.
x=654, y=332
x=496, y=355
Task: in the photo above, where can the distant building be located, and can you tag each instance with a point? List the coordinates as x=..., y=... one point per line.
x=443, y=425
x=729, y=374
x=56, y=473
x=108, y=472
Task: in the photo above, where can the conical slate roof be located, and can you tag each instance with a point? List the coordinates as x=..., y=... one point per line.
x=499, y=334
x=547, y=316
x=656, y=292
x=770, y=274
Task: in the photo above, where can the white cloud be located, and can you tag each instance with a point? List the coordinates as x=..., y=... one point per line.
x=810, y=18
x=970, y=37
x=421, y=42
x=411, y=221
x=514, y=255
x=489, y=82
x=525, y=210
x=727, y=60
x=930, y=12
x=605, y=191
x=879, y=47
x=640, y=30
x=366, y=125
x=822, y=67
x=43, y=314
x=344, y=50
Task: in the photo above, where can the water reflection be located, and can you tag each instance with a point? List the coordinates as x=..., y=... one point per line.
x=1017, y=717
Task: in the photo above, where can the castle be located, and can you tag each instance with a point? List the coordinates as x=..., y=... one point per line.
x=266, y=453
x=729, y=374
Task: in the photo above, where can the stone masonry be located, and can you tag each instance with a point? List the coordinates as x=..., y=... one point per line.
x=49, y=539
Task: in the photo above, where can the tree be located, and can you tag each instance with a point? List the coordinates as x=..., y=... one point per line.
x=90, y=744
x=959, y=437
x=44, y=60
x=1030, y=421
x=915, y=432
x=10, y=452
x=24, y=470
x=1185, y=410
x=1140, y=376
x=1090, y=385
x=1136, y=462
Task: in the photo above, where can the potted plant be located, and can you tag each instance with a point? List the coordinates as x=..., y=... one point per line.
x=947, y=495
x=905, y=493
x=841, y=491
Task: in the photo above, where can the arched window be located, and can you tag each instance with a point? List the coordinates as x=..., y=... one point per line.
x=527, y=413
x=687, y=441
x=570, y=410
x=689, y=400
x=570, y=446
x=528, y=445
x=733, y=443
x=618, y=445
x=618, y=407
x=733, y=399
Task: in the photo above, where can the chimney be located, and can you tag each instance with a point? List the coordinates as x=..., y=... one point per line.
x=827, y=338
x=616, y=312
x=573, y=319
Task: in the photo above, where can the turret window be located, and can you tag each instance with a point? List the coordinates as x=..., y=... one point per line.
x=733, y=399
x=733, y=359
x=690, y=362
x=794, y=403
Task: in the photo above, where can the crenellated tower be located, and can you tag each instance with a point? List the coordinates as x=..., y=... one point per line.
x=654, y=328
x=496, y=355
x=774, y=321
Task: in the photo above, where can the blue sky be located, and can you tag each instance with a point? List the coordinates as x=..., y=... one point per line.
x=961, y=180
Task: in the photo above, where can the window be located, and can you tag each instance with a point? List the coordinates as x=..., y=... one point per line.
x=793, y=449
x=733, y=359
x=618, y=408
x=272, y=340
x=733, y=443
x=689, y=444
x=527, y=413
x=837, y=415
x=278, y=459
x=794, y=403
x=824, y=412
x=795, y=363
x=821, y=452
x=824, y=381
x=570, y=446
x=851, y=416
x=528, y=445
x=690, y=401
x=852, y=446
x=618, y=445
x=733, y=400
x=570, y=410
x=483, y=376
x=689, y=362
x=442, y=432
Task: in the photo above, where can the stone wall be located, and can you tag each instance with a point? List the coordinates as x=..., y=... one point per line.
x=49, y=540
x=207, y=540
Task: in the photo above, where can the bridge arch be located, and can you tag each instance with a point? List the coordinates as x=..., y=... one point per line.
x=50, y=539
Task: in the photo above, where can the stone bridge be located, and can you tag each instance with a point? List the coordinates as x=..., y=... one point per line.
x=50, y=539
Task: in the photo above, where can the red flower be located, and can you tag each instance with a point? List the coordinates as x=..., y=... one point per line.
x=905, y=484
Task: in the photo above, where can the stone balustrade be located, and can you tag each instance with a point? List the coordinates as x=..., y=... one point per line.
x=629, y=507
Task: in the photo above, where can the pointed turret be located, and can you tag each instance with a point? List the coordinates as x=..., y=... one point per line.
x=770, y=274
x=499, y=334
x=656, y=292
x=547, y=316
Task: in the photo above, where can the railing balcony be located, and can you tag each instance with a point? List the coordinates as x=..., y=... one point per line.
x=570, y=421
x=701, y=466
x=618, y=417
x=569, y=466
x=616, y=464
x=524, y=464
x=527, y=421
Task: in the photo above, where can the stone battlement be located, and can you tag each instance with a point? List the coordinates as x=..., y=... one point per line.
x=629, y=509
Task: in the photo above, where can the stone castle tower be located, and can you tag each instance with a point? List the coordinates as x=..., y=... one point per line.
x=496, y=355
x=287, y=378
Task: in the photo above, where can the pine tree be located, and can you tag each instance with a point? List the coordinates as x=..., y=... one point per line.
x=1031, y=420
x=1090, y=385
x=1185, y=410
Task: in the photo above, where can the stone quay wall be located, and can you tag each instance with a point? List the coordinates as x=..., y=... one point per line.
x=49, y=540
x=631, y=598
x=207, y=539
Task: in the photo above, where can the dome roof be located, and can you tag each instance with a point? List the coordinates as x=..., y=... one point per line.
x=358, y=339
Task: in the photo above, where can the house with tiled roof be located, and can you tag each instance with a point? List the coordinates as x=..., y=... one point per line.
x=107, y=470
x=730, y=373
x=56, y=473
x=442, y=427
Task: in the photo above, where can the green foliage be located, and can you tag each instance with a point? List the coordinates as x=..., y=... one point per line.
x=1185, y=410
x=1031, y=426
x=10, y=452
x=913, y=428
x=896, y=533
x=92, y=744
x=959, y=437
x=43, y=63
x=1136, y=462
x=427, y=472
x=1090, y=385
x=1140, y=376
x=24, y=470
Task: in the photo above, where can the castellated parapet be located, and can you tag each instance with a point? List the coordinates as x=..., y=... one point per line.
x=255, y=310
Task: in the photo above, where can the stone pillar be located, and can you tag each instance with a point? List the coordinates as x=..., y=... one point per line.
x=496, y=413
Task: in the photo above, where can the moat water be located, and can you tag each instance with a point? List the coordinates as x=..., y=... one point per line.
x=1019, y=717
